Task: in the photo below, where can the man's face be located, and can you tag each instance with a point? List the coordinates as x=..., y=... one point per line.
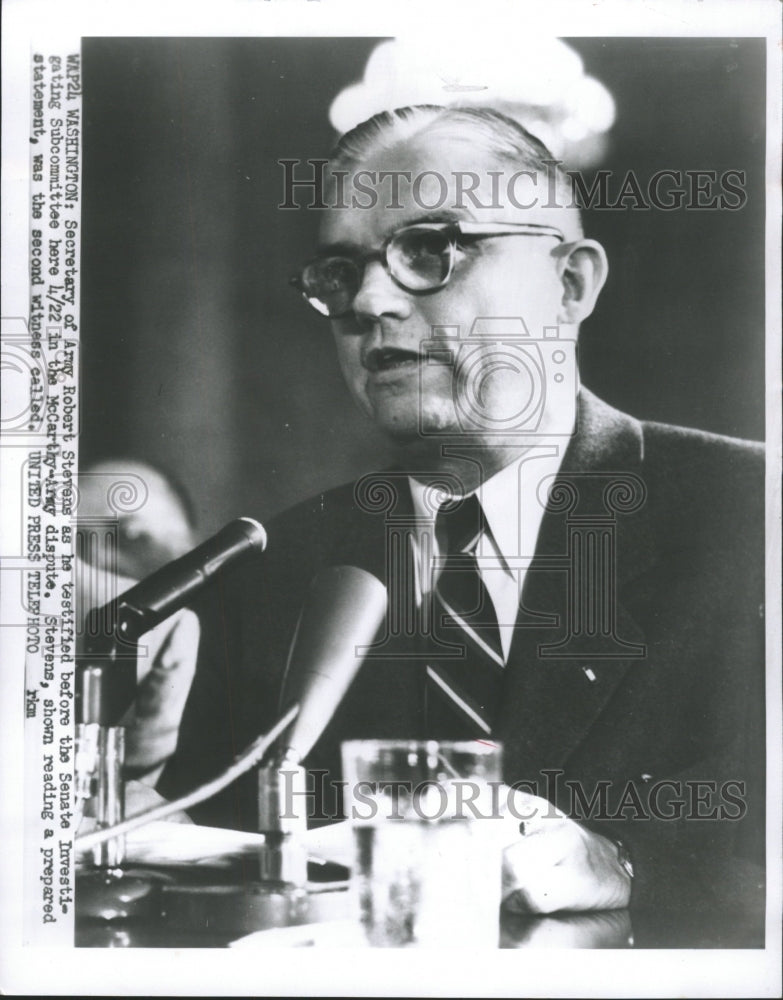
x=379, y=344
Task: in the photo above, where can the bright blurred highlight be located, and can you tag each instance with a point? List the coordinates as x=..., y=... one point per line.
x=538, y=81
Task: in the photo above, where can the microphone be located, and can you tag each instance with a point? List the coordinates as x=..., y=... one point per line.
x=341, y=617
x=170, y=588
x=107, y=668
x=344, y=610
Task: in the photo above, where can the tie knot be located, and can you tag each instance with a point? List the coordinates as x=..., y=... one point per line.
x=459, y=524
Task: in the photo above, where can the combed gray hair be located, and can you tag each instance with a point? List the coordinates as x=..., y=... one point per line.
x=494, y=131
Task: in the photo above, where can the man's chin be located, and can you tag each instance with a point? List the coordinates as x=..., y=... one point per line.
x=409, y=426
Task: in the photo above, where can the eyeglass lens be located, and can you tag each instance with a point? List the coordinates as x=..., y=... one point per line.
x=419, y=259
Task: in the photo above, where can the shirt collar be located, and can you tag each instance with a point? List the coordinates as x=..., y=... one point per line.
x=510, y=499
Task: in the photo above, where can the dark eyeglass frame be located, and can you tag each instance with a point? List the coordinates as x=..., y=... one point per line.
x=453, y=230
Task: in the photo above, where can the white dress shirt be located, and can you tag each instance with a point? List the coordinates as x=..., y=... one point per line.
x=513, y=502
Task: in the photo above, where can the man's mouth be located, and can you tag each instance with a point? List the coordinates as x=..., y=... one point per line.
x=383, y=359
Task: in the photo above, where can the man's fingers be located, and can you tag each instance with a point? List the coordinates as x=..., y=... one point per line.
x=564, y=868
x=547, y=891
x=532, y=858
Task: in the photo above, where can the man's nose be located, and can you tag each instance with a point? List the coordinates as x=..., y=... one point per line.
x=380, y=295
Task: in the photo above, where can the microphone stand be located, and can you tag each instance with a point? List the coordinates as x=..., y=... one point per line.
x=283, y=855
x=342, y=615
x=108, y=895
x=105, y=689
x=278, y=894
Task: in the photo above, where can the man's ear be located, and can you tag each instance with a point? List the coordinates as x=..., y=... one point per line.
x=583, y=269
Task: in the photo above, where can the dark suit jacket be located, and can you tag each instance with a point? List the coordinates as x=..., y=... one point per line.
x=648, y=670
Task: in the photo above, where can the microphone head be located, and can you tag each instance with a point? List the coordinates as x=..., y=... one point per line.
x=255, y=532
x=341, y=617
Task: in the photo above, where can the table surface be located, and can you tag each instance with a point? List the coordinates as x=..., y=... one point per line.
x=199, y=907
x=188, y=886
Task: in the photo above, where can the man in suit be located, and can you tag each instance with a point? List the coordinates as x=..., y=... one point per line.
x=609, y=614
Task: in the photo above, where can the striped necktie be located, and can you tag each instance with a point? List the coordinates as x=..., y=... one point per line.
x=466, y=689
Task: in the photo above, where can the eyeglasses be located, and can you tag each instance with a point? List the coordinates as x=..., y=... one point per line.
x=420, y=258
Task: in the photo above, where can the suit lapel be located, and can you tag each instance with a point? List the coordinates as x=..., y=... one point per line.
x=576, y=636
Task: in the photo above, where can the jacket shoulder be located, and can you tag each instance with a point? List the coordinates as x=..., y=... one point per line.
x=703, y=461
x=695, y=443
x=704, y=487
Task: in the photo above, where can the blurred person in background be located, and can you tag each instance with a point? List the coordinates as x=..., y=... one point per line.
x=134, y=518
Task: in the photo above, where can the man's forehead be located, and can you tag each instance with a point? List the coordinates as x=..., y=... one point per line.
x=370, y=226
x=429, y=178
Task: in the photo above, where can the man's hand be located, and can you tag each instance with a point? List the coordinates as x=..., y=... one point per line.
x=556, y=864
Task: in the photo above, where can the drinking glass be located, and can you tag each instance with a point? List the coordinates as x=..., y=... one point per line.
x=427, y=861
